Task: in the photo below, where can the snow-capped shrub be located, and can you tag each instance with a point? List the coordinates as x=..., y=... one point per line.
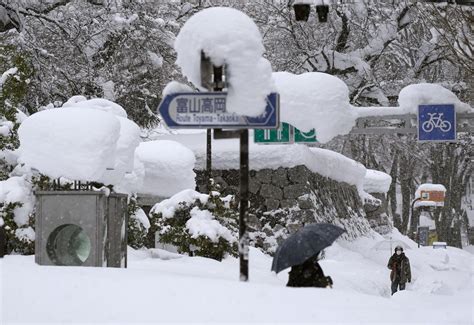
x=198, y=224
x=20, y=239
x=138, y=225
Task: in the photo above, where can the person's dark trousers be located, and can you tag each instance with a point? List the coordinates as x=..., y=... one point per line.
x=397, y=285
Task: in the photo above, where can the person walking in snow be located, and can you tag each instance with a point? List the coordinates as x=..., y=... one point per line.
x=308, y=274
x=401, y=272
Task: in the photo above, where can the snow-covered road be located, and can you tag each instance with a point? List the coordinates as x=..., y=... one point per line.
x=159, y=287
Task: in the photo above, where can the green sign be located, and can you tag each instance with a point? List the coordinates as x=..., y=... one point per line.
x=280, y=135
x=308, y=137
x=284, y=134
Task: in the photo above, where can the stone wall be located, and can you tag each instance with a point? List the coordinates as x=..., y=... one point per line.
x=283, y=200
x=378, y=215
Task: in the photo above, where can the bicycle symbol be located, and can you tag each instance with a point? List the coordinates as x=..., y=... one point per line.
x=436, y=122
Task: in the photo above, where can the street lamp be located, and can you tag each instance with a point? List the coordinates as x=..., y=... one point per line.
x=302, y=11
x=322, y=11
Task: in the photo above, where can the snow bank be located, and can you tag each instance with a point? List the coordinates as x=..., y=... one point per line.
x=168, y=167
x=168, y=207
x=227, y=36
x=18, y=189
x=315, y=100
x=203, y=223
x=75, y=143
x=376, y=181
x=440, y=291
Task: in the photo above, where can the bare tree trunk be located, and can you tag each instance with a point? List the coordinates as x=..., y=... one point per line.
x=392, y=192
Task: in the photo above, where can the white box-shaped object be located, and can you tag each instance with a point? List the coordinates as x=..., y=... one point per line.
x=81, y=228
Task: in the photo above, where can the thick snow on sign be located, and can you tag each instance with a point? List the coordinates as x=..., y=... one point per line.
x=315, y=100
x=168, y=167
x=227, y=36
x=75, y=143
x=422, y=94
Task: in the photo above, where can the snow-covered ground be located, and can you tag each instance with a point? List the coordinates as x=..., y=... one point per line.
x=161, y=287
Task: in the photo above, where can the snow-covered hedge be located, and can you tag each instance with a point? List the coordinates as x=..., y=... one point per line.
x=197, y=224
x=138, y=225
x=16, y=207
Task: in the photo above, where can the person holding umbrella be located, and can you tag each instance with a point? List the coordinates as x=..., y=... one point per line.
x=309, y=274
x=300, y=251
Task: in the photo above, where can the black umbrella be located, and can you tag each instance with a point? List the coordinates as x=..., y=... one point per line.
x=305, y=243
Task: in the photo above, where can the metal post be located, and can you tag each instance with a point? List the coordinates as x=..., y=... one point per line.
x=212, y=78
x=244, y=185
x=206, y=82
x=208, y=159
x=413, y=222
x=3, y=242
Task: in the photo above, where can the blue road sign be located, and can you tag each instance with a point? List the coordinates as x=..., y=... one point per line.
x=208, y=110
x=436, y=123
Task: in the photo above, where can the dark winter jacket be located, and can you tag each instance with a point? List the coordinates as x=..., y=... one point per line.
x=400, y=266
x=308, y=274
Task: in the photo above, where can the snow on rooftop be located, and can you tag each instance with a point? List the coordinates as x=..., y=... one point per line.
x=315, y=100
x=75, y=143
x=376, y=181
x=227, y=36
x=168, y=167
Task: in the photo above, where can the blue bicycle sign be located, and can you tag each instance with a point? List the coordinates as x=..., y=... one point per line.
x=436, y=123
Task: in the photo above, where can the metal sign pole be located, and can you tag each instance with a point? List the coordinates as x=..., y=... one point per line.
x=3, y=242
x=244, y=187
x=208, y=159
x=412, y=220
